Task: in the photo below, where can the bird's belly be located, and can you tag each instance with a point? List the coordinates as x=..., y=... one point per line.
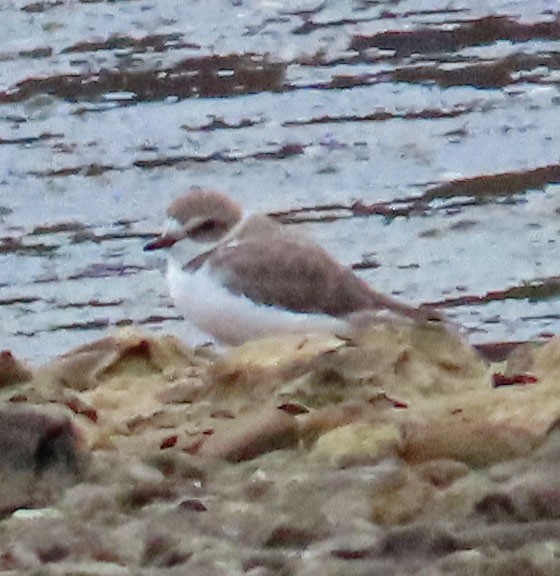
x=234, y=319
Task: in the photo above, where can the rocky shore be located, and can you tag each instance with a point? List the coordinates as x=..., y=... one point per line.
x=403, y=450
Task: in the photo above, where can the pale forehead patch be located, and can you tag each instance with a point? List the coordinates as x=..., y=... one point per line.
x=172, y=227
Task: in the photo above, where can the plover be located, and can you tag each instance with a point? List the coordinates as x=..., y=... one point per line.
x=240, y=278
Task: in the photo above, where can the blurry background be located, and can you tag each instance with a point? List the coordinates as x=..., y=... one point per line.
x=416, y=140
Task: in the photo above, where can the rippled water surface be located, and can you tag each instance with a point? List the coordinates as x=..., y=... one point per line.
x=417, y=140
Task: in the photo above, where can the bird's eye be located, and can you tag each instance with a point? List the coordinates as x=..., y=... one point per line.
x=208, y=229
x=206, y=226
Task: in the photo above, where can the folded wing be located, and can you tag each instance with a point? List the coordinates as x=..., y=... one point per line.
x=298, y=276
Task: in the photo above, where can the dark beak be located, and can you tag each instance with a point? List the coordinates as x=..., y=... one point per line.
x=160, y=242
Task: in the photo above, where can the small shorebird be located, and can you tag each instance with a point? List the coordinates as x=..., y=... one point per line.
x=240, y=278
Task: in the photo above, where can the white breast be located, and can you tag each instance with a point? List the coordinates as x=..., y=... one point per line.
x=234, y=319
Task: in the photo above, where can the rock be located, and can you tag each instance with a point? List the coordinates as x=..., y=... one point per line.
x=40, y=455
x=127, y=354
x=358, y=442
x=400, y=499
x=252, y=436
x=12, y=371
x=419, y=540
x=442, y=473
x=478, y=442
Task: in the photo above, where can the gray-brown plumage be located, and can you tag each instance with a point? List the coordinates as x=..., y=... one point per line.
x=269, y=264
x=292, y=272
